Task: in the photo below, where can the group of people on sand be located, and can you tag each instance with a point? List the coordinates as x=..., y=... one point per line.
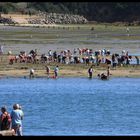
x=56, y=70
x=77, y=55
x=13, y=120
x=101, y=76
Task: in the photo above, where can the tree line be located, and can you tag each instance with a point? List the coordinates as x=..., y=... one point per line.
x=93, y=11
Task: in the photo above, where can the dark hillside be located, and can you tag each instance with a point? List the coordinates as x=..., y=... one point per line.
x=93, y=11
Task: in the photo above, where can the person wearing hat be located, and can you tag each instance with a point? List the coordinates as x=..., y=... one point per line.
x=17, y=117
x=5, y=119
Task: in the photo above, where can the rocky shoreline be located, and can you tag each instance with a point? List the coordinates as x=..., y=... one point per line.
x=45, y=18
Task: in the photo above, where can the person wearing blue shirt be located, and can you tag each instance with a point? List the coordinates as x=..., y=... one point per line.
x=56, y=69
x=17, y=117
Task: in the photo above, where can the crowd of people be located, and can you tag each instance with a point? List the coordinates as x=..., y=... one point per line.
x=13, y=120
x=77, y=55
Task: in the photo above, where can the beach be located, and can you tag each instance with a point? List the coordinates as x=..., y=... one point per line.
x=66, y=73
x=74, y=70
x=58, y=38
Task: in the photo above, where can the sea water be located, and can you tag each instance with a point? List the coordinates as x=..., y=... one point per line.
x=75, y=106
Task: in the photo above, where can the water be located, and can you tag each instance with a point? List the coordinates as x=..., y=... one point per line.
x=75, y=106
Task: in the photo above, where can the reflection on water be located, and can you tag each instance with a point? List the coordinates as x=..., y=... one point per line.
x=75, y=106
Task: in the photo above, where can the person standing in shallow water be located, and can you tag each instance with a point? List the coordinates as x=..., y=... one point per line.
x=17, y=117
x=102, y=76
x=108, y=71
x=56, y=70
x=47, y=71
x=31, y=73
x=90, y=71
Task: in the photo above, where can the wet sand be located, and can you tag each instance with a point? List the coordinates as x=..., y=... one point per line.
x=128, y=72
